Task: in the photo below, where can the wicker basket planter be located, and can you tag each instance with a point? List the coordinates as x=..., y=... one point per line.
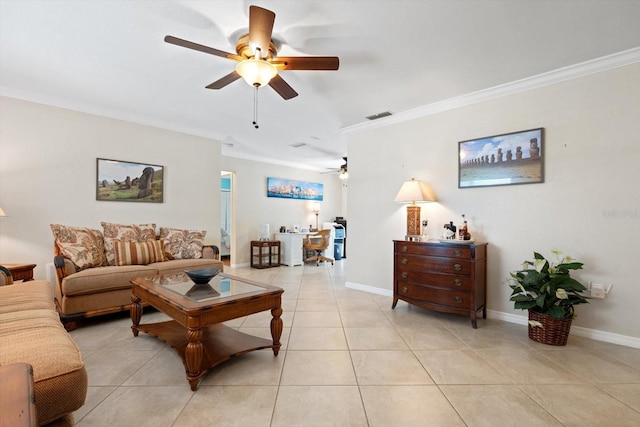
x=553, y=331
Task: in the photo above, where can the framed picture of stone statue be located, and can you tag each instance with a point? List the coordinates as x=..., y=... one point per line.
x=506, y=159
x=121, y=181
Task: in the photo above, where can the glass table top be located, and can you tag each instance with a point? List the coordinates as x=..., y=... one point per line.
x=218, y=287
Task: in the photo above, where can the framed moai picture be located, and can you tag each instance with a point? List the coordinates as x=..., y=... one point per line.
x=122, y=181
x=506, y=159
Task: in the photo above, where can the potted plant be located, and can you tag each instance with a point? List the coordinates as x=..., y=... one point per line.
x=548, y=291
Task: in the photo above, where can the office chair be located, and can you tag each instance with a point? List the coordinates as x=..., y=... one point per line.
x=317, y=242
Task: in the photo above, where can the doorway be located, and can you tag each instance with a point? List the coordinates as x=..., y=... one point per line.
x=226, y=217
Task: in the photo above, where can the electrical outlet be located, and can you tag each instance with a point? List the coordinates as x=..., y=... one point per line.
x=597, y=290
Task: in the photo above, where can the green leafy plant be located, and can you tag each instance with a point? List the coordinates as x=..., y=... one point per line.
x=547, y=287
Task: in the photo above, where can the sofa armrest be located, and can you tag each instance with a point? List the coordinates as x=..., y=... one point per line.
x=210, y=252
x=64, y=267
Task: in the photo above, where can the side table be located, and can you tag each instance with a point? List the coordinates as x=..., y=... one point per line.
x=22, y=272
x=265, y=253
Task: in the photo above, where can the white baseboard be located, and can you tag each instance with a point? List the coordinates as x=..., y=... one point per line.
x=244, y=264
x=370, y=289
x=578, y=331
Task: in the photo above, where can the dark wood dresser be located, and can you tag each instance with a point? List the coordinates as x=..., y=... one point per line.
x=446, y=277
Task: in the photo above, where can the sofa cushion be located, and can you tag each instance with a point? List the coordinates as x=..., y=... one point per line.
x=37, y=337
x=125, y=233
x=83, y=246
x=182, y=244
x=179, y=265
x=31, y=295
x=138, y=253
x=103, y=279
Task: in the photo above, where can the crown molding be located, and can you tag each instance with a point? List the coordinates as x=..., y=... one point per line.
x=582, y=69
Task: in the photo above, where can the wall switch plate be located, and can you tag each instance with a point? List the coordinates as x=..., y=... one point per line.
x=597, y=290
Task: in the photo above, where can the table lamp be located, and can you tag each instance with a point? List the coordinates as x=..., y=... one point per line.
x=413, y=192
x=316, y=210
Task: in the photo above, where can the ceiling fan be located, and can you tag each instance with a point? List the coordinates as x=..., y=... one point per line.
x=257, y=59
x=343, y=171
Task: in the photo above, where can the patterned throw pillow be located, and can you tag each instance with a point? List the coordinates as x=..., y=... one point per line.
x=125, y=233
x=83, y=246
x=138, y=253
x=182, y=244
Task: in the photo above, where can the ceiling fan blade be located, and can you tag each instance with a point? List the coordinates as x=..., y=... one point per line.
x=306, y=62
x=260, y=28
x=201, y=48
x=284, y=90
x=222, y=82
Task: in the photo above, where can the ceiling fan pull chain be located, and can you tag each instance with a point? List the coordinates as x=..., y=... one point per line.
x=255, y=107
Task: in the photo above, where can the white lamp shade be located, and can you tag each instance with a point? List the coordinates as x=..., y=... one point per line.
x=256, y=72
x=414, y=191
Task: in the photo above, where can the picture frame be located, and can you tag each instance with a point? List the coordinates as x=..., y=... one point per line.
x=125, y=181
x=293, y=189
x=505, y=159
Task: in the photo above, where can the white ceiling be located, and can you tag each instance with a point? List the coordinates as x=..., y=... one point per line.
x=108, y=57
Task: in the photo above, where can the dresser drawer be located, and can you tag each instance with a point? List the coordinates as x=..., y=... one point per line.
x=448, y=281
x=434, y=295
x=432, y=264
x=443, y=250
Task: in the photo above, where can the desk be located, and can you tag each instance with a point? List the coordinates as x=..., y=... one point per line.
x=265, y=253
x=291, y=248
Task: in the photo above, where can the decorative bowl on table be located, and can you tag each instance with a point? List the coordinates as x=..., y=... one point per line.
x=202, y=276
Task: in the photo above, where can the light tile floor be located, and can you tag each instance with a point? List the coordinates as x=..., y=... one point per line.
x=349, y=360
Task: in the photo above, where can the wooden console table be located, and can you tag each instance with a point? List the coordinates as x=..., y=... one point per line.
x=265, y=253
x=445, y=277
x=22, y=272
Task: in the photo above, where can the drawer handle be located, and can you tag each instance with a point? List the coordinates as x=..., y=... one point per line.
x=457, y=252
x=457, y=299
x=457, y=267
x=457, y=282
x=405, y=289
x=404, y=274
x=404, y=249
x=404, y=261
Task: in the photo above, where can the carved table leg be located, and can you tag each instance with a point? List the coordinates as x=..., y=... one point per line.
x=136, y=314
x=193, y=357
x=276, y=328
x=395, y=301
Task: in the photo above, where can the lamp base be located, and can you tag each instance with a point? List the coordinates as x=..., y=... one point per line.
x=413, y=237
x=413, y=220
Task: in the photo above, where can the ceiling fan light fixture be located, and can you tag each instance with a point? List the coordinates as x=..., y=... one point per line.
x=343, y=174
x=256, y=72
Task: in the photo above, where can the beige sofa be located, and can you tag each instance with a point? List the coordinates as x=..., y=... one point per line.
x=31, y=332
x=94, y=269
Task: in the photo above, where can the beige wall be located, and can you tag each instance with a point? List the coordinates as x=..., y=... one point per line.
x=254, y=208
x=48, y=174
x=589, y=205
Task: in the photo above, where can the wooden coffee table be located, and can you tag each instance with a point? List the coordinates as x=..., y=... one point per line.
x=196, y=332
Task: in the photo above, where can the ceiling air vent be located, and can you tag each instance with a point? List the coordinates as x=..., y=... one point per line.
x=379, y=115
x=298, y=145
